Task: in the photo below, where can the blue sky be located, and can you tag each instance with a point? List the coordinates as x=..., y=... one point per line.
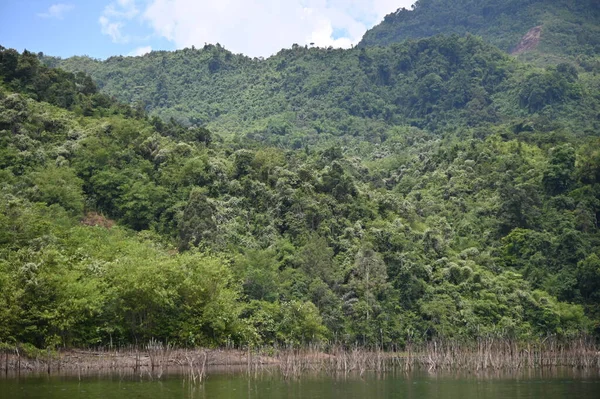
x=102, y=28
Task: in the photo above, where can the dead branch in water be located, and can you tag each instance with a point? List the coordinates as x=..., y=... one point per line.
x=155, y=358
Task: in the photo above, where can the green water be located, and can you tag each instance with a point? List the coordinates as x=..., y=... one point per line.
x=418, y=385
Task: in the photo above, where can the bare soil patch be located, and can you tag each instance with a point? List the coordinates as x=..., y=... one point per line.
x=96, y=219
x=529, y=42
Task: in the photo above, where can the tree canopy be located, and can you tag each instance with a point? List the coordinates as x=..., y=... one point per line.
x=433, y=188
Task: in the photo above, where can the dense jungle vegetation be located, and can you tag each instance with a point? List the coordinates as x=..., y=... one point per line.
x=570, y=29
x=432, y=188
x=304, y=95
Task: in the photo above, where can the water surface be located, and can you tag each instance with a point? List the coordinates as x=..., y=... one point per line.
x=549, y=384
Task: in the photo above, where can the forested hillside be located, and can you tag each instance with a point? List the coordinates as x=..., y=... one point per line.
x=374, y=196
x=303, y=96
x=569, y=29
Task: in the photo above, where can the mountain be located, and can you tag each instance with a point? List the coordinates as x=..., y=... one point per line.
x=304, y=95
x=117, y=228
x=556, y=28
x=430, y=189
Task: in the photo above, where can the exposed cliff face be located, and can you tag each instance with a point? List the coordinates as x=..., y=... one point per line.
x=529, y=42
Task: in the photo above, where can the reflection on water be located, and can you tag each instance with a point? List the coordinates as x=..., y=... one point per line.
x=268, y=383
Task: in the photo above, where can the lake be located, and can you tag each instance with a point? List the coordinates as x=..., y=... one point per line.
x=546, y=384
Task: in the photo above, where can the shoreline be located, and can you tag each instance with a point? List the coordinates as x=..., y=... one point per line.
x=158, y=359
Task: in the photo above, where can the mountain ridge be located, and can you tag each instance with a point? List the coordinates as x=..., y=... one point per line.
x=288, y=94
x=570, y=28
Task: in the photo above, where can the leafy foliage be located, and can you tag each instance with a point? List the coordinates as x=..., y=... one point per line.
x=372, y=196
x=568, y=28
x=305, y=96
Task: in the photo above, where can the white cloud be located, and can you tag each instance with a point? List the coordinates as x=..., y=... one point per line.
x=263, y=27
x=114, y=18
x=140, y=51
x=57, y=11
x=124, y=9
x=113, y=29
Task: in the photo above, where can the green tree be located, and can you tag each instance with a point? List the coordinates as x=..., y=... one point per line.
x=197, y=225
x=58, y=185
x=558, y=177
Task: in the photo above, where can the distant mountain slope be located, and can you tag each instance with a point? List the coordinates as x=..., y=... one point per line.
x=300, y=94
x=568, y=27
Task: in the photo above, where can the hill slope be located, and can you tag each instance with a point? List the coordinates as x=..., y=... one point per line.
x=431, y=188
x=481, y=231
x=304, y=95
x=568, y=28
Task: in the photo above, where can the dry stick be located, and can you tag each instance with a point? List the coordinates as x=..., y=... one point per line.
x=204, y=366
x=248, y=358
x=137, y=359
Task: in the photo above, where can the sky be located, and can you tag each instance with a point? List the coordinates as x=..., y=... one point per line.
x=103, y=28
